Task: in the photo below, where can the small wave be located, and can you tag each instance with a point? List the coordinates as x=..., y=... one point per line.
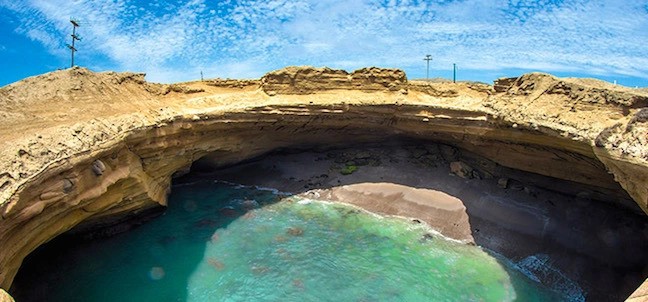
x=302, y=200
x=538, y=268
x=259, y=188
x=273, y=190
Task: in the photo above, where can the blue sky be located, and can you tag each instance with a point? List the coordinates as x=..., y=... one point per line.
x=175, y=40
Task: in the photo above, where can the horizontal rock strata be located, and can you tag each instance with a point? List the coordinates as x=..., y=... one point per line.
x=114, y=149
x=307, y=80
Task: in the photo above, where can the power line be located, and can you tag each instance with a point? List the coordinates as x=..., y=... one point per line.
x=75, y=38
x=427, y=58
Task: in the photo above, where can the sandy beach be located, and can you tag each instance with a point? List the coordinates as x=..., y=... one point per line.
x=518, y=221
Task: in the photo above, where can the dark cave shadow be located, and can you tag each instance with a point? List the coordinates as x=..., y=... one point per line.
x=603, y=283
x=192, y=202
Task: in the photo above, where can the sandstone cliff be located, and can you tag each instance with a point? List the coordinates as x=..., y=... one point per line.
x=306, y=80
x=610, y=118
x=83, y=147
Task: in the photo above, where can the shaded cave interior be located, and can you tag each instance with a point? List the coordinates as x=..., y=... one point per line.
x=595, y=235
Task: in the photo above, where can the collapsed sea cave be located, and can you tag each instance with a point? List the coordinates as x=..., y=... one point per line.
x=580, y=240
x=545, y=174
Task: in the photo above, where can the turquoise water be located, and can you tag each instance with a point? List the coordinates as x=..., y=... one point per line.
x=222, y=242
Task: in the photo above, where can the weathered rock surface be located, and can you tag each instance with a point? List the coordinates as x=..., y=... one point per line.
x=461, y=169
x=57, y=127
x=232, y=83
x=641, y=294
x=307, y=80
x=590, y=111
x=4, y=297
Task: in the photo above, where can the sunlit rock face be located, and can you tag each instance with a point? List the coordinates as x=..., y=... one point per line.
x=4, y=297
x=308, y=80
x=109, y=143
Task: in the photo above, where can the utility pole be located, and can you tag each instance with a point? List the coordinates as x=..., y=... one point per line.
x=454, y=72
x=427, y=58
x=75, y=24
x=201, y=77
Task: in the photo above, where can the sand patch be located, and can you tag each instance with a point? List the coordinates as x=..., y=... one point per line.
x=443, y=212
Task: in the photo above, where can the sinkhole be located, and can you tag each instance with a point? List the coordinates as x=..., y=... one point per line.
x=280, y=227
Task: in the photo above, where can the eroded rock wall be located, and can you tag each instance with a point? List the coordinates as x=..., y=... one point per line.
x=307, y=80
x=611, y=120
x=136, y=173
x=122, y=163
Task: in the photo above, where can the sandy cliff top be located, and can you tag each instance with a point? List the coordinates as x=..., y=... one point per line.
x=52, y=116
x=308, y=80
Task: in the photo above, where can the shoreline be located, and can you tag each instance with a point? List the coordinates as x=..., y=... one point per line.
x=518, y=222
x=316, y=196
x=444, y=213
x=413, y=220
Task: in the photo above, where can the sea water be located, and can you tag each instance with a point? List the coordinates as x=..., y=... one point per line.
x=225, y=242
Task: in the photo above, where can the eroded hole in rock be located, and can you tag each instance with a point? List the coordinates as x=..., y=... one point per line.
x=550, y=239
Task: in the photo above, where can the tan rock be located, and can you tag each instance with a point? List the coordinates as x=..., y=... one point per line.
x=307, y=80
x=52, y=136
x=5, y=297
x=461, y=169
x=641, y=294
x=503, y=183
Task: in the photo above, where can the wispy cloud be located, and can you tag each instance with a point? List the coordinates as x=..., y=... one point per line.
x=248, y=37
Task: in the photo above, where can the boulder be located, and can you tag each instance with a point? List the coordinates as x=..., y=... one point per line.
x=503, y=183
x=461, y=169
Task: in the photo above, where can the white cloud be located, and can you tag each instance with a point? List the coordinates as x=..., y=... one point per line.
x=248, y=37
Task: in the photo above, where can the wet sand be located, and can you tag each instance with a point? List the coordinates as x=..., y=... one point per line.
x=444, y=213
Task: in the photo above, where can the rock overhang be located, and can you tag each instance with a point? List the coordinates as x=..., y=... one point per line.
x=535, y=123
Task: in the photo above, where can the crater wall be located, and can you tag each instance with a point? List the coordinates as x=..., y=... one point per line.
x=108, y=149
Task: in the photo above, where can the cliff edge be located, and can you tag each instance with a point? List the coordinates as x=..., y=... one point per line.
x=83, y=147
x=307, y=80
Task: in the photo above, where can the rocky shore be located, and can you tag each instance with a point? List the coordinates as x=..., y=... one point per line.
x=82, y=148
